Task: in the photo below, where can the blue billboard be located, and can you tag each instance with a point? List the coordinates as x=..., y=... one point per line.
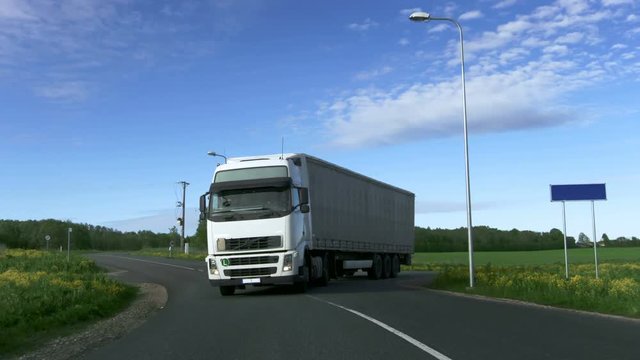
x=578, y=192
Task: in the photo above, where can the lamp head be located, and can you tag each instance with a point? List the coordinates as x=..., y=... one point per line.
x=420, y=16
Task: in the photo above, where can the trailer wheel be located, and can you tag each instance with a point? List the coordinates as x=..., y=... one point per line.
x=395, y=265
x=386, y=266
x=227, y=290
x=375, y=271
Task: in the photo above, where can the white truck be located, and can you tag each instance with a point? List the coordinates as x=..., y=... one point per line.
x=295, y=219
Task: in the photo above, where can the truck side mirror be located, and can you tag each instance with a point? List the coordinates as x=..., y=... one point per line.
x=203, y=206
x=304, y=195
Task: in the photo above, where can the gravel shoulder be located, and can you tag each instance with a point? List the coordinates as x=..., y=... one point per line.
x=152, y=298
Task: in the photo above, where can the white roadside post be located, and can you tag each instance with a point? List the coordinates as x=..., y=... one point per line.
x=68, y=243
x=595, y=240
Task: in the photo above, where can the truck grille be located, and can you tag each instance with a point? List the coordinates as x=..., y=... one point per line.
x=254, y=260
x=250, y=272
x=253, y=243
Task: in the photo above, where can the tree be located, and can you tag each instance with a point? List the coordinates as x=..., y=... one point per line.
x=583, y=240
x=199, y=240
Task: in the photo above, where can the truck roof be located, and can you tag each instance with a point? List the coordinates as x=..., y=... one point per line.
x=285, y=156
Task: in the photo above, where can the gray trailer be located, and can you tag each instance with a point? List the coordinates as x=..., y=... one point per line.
x=353, y=213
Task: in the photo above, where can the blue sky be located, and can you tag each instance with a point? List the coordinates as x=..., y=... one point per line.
x=106, y=104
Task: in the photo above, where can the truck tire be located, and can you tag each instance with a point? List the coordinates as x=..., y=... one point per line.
x=395, y=265
x=324, y=278
x=386, y=266
x=302, y=286
x=375, y=271
x=227, y=290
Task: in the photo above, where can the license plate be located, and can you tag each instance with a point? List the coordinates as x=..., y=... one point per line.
x=251, y=281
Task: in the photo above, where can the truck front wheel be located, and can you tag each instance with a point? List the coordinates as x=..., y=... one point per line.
x=324, y=278
x=302, y=286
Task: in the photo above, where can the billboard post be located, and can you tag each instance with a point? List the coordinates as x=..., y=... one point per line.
x=580, y=192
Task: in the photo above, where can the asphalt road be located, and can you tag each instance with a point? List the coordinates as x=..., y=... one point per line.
x=353, y=318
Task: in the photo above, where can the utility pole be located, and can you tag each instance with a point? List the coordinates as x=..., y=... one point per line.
x=183, y=245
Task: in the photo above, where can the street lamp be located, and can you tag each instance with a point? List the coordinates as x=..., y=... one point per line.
x=420, y=16
x=213, y=153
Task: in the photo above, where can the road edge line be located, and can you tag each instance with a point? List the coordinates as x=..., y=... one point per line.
x=435, y=353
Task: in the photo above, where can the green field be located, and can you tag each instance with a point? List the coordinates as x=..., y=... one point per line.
x=539, y=277
x=44, y=295
x=515, y=258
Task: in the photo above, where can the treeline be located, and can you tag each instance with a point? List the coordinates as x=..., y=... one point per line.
x=31, y=234
x=490, y=239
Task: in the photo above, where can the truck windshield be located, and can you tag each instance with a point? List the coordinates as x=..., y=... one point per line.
x=250, y=203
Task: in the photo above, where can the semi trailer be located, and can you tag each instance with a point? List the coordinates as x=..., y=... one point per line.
x=296, y=219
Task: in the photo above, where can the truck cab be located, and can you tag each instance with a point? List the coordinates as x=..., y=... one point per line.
x=257, y=223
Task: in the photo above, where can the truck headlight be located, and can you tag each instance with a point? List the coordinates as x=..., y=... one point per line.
x=213, y=267
x=287, y=264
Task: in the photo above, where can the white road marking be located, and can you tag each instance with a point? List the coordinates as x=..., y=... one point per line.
x=394, y=331
x=153, y=262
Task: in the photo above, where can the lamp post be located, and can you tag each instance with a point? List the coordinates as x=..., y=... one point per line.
x=420, y=16
x=213, y=153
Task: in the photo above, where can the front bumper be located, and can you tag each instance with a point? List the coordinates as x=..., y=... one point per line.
x=265, y=280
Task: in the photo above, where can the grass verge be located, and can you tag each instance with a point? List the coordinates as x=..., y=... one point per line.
x=616, y=291
x=43, y=296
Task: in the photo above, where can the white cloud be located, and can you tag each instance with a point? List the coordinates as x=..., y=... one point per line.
x=403, y=42
x=364, y=26
x=513, y=54
x=557, y=49
x=632, y=17
x=519, y=78
x=407, y=12
x=368, y=75
x=628, y=56
x=520, y=99
x=470, y=15
x=504, y=4
x=616, y=2
x=570, y=38
x=439, y=28
x=53, y=42
x=16, y=10
x=574, y=7
x=63, y=91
